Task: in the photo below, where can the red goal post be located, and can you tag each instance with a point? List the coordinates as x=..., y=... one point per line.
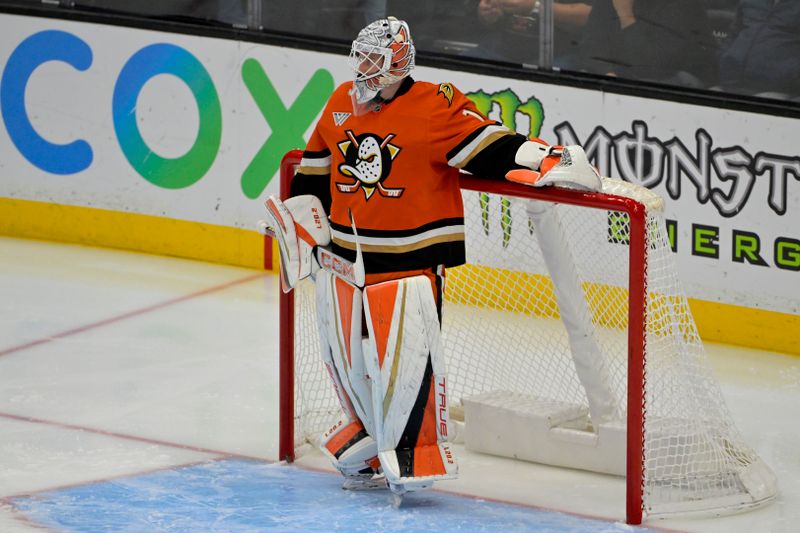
x=674, y=441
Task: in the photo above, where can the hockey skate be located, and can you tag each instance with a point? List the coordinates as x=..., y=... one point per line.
x=367, y=481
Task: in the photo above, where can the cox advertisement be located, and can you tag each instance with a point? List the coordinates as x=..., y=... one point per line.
x=193, y=129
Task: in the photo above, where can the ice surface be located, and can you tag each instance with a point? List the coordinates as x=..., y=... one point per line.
x=128, y=378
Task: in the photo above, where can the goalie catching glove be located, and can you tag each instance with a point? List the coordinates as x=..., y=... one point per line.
x=299, y=224
x=561, y=166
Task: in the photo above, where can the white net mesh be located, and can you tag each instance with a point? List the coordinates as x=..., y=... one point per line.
x=503, y=331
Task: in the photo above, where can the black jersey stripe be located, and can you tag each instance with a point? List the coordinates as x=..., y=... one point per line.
x=449, y=254
x=365, y=232
x=469, y=138
x=318, y=154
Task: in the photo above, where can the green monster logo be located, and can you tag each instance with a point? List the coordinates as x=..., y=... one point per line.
x=510, y=108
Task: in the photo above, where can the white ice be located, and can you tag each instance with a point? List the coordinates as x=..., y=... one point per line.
x=115, y=363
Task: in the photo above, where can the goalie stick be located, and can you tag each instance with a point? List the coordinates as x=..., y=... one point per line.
x=352, y=272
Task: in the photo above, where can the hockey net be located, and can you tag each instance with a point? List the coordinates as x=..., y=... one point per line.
x=569, y=310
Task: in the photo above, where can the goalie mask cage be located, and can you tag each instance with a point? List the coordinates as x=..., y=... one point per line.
x=570, y=299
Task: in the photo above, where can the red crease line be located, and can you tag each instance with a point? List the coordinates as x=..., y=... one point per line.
x=9, y=500
x=127, y=315
x=125, y=436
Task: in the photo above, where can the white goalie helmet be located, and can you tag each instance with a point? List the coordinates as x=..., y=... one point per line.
x=381, y=55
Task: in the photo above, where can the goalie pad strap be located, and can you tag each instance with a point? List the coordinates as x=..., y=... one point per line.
x=406, y=366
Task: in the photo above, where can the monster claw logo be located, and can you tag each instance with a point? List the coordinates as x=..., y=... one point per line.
x=446, y=90
x=368, y=159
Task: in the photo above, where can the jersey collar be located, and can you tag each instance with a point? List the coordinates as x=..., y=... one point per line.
x=405, y=86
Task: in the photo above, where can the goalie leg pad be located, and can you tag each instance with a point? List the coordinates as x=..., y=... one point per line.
x=299, y=225
x=351, y=450
x=339, y=309
x=409, y=389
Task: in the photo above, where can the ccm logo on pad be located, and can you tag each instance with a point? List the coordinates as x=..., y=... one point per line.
x=335, y=264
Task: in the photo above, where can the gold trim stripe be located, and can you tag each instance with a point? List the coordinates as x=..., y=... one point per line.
x=387, y=400
x=489, y=139
x=314, y=171
x=402, y=248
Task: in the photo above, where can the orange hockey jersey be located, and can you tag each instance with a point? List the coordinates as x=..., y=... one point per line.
x=397, y=171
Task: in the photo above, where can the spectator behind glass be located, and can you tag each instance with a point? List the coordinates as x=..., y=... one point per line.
x=335, y=19
x=514, y=28
x=232, y=12
x=569, y=20
x=763, y=54
x=668, y=41
x=440, y=26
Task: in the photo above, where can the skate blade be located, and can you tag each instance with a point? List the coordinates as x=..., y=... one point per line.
x=364, y=484
x=396, y=499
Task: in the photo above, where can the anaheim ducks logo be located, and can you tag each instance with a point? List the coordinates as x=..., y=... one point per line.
x=368, y=159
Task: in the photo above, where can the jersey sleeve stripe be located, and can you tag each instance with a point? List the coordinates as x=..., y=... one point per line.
x=313, y=170
x=367, y=232
x=468, y=139
x=322, y=161
x=315, y=163
x=473, y=145
x=316, y=154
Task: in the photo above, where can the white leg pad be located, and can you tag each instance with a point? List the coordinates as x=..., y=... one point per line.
x=409, y=390
x=339, y=307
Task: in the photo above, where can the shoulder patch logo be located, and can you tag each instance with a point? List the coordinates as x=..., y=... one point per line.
x=339, y=117
x=446, y=90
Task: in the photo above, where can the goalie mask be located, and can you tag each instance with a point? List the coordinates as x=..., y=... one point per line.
x=381, y=55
